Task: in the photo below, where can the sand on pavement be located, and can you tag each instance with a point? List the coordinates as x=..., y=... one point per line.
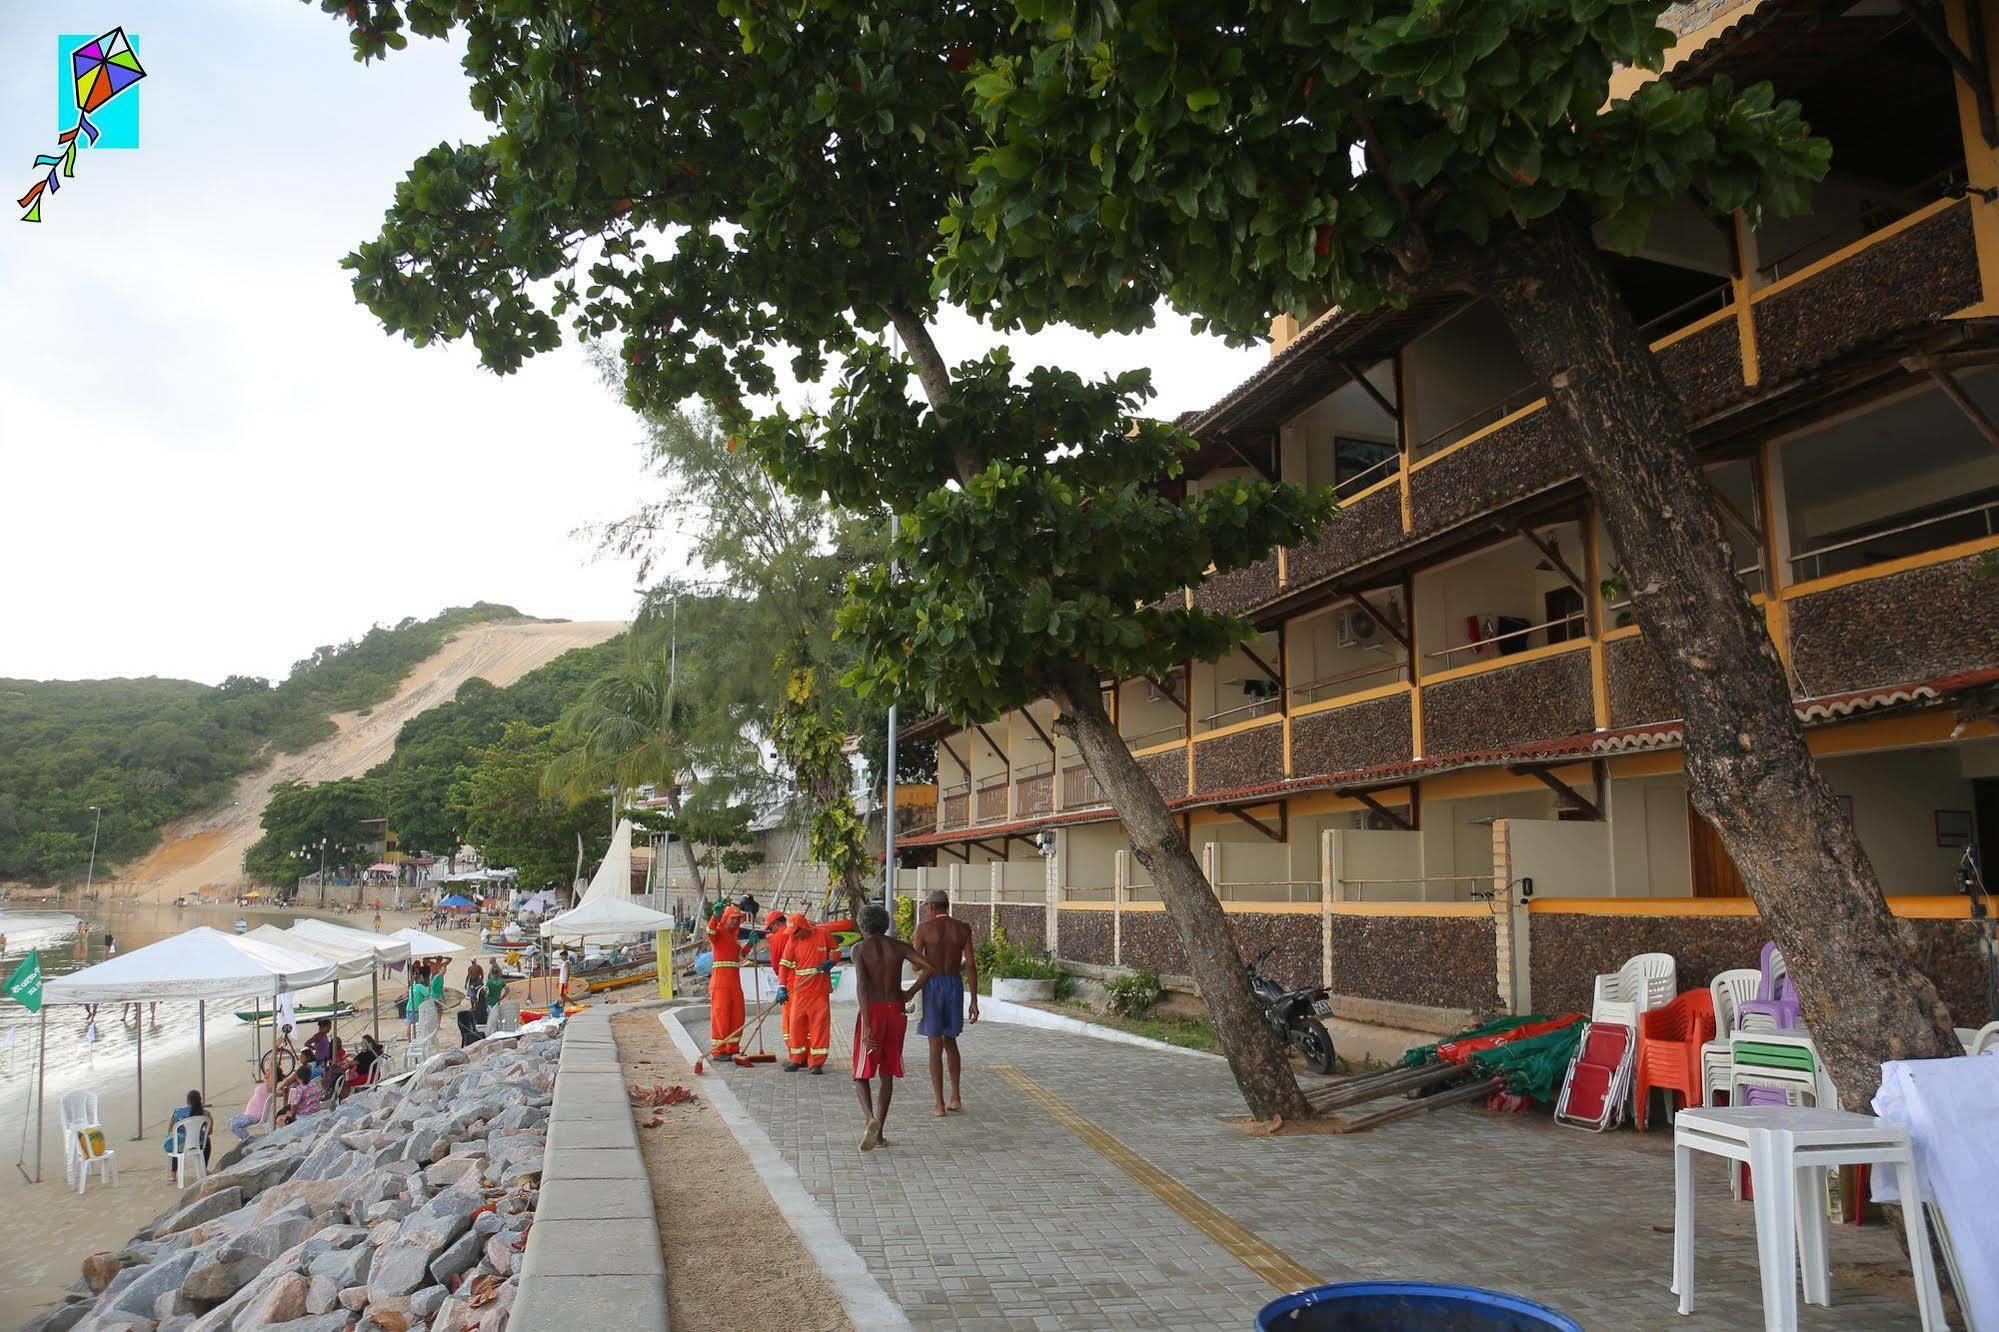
x=731, y=1257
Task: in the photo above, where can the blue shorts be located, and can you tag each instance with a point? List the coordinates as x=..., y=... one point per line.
x=943, y=1006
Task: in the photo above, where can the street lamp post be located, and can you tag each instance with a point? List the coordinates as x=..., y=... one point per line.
x=322, y=871
x=90, y=877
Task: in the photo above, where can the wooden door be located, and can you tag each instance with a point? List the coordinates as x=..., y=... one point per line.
x=1714, y=874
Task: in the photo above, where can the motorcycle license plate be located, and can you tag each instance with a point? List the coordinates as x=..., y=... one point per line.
x=1322, y=1008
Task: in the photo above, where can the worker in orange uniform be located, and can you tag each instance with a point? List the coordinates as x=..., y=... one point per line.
x=808, y=967
x=725, y=981
x=776, y=931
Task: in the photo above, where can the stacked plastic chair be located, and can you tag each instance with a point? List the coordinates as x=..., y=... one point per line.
x=1598, y=1084
x=1771, y=1068
x=1728, y=991
x=1670, y=1041
x=1776, y=1007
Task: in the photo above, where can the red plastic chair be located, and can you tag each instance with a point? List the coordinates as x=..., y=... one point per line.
x=1669, y=1049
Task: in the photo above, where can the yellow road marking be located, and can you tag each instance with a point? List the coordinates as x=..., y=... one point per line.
x=1244, y=1245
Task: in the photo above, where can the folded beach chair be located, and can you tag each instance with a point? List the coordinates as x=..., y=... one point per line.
x=1599, y=1077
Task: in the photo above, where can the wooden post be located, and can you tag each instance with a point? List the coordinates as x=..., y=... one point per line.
x=1328, y=884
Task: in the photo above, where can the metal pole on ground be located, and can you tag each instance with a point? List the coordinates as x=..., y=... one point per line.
x=888, y=818
x=201, y=1029
x=375, y=998
x=139, y=1098
x=41, y=1089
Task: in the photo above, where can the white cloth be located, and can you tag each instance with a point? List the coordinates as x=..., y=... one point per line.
x=1950, y=1106
x=287, y=1011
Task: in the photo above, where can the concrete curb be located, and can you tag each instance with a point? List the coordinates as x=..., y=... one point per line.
x=593, y=1257
x=1026, y=1015
x=867, y=1304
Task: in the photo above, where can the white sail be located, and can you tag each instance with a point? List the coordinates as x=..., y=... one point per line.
x=613, y=880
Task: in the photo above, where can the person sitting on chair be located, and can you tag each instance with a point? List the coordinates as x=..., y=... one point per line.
x=472, y=1019
x=204, y=1128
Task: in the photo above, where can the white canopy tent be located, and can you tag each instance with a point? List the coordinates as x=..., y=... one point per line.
x=606, y=917
x=199, y=964
x=378, y=950
x=427, y=945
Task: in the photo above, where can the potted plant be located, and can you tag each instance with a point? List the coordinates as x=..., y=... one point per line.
x=1016, y=974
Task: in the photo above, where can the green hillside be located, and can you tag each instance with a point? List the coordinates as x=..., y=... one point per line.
x=152, y=750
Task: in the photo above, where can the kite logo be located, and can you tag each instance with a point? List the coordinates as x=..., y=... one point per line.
x=96, y=77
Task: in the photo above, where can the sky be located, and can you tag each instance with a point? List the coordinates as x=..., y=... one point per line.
x=212, y=459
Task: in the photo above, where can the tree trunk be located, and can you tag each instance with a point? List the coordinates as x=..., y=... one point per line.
x=1749, y=771
x=1262, y=1068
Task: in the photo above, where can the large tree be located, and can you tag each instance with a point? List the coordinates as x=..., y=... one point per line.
x=508, y=812
x=299, y=818
x=742, y=188
x=1252, y=156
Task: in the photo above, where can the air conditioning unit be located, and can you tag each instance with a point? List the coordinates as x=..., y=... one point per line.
x=1358, y=629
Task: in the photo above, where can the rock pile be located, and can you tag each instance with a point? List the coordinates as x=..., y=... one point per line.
x=405, y=1207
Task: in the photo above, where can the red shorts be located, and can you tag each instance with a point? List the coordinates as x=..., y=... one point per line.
x=888, y=1023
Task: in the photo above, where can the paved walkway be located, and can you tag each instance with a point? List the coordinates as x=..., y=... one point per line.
x=1092, y=1185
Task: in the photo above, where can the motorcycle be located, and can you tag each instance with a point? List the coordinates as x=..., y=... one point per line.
x=1294, y=1014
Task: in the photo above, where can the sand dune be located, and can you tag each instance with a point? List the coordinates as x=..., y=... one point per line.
x=206, y=849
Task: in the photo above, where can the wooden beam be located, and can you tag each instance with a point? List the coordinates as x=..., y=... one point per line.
x=1968, y=66
x=1553, y=554
x=1242, y=812
x=1367, y=387
x=1035, y=726
x=945, y=848
x=1395, y=631
x=1378, y=808
x=1261, y=469
x=997, y=853
x=1003, y=758
x=1947, y=381
x=944, y=743
x=1171, y=697
x=1276, y=676
x=1576, y=799
x=1727, y=506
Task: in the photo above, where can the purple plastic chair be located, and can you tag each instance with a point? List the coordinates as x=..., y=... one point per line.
x=1778, y=1002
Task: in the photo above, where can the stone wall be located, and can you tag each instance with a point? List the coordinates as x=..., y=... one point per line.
x=1361, y=735
x=1086, y=936
x=1917, y=625
x=1529, y=454
x=1026, y=926
x=1705, y=368
x=1244, y=758
x=1537, y=700
x=1238, y=591
x=1435, y=961
x=1168, y=771
x=1639, y=692
x=980, y=918
x=1570, y=951
x=1921, y=274
x=1362, y=530
x=1151, y=941
x=1294, y=939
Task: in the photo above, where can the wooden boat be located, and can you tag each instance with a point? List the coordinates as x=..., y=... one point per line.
x=633, y=969
x=306, y=1012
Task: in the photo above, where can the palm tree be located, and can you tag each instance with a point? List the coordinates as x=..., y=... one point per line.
x=625, y=731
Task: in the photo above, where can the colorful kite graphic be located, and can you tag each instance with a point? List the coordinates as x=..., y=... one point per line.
x=101, y=70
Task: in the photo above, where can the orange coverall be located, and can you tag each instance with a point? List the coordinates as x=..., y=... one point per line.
x=810, y=1006
x=777, y=931
x=725, y=982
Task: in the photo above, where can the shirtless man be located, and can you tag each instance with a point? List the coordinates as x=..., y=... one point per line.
x=946, y=944
x=880, y=1025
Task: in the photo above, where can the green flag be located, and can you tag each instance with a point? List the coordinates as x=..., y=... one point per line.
x=24, y=987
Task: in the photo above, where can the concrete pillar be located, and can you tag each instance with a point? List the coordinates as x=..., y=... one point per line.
x=1329, y=880
x=1051, y=882
x=1211, y=866
x=996, y=879
x=1508, y=976
x=1120, y=890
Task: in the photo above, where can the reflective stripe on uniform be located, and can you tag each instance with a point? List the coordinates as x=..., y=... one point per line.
x=828, y=1050
x=727, y=962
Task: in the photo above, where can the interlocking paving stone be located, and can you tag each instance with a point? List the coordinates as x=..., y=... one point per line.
x=1001, y=1218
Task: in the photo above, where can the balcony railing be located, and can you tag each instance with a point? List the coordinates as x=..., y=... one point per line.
x=1158, y=735
x=1963, y=524
x=1575, y=623
x=1350, y=682
x=1080, y=789
x=992, y=801
x=1261, y=707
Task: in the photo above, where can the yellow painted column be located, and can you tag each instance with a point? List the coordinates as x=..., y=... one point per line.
x=1981, y=160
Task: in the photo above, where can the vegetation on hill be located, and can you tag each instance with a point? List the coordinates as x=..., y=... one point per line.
x=153, y=750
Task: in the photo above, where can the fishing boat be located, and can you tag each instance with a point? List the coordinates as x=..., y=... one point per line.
x=623, y=966
x=304, y=1011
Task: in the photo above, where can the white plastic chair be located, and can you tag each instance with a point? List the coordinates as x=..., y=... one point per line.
x=1730, y=989
x=103, y=1158
x=1645, y=982
x=1986, y=1039
x=78, y=1111
x=424, y=1044
x=189, y=1138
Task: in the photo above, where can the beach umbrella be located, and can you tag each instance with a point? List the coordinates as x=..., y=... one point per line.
x=456, y=903
x=387, y=950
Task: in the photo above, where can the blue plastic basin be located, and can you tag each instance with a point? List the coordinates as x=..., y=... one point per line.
x=1406, y=1306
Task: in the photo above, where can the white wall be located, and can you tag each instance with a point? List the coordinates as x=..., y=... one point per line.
x=1306, y=441
x=1648, y=835
x=1314, y=647
x=1141, y=714
x=1895, y=799
x=1565, y=858
x=1464, y=366
x=1360, y=854
x=1499, y=581
x=1457, y=837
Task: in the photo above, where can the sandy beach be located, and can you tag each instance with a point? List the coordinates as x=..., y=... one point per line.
x=61, y=1227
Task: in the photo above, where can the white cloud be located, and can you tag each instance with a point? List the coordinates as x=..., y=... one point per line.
x=213, y=460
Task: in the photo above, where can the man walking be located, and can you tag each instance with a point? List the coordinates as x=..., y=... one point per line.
x=945, y=945
x=880, y=1025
